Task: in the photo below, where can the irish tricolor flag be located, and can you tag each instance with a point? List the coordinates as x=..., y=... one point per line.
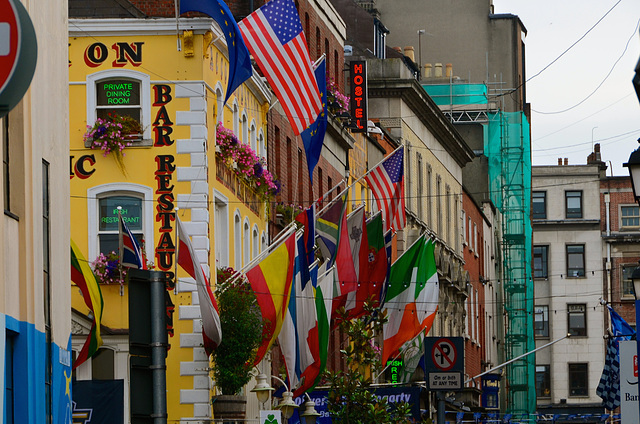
x=411, y=297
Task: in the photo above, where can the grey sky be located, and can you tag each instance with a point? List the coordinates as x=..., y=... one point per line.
x=611, y=116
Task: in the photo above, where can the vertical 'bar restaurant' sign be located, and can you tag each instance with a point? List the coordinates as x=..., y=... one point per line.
x=358, y=83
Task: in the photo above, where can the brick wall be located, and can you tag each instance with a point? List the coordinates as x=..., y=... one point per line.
x=474, y=349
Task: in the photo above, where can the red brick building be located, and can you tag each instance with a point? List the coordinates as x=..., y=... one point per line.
x=620, y=227
x=473, y=251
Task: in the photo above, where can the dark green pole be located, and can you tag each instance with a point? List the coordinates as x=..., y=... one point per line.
x=158, y=346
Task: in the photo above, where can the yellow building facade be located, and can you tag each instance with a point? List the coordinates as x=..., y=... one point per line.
x=133, y=68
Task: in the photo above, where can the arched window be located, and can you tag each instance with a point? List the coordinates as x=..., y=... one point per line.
x=221, y=222
x=317, y=42
x=307, y=29
x=137, y=210
x=336, y=68
x=236, y=119
x=246, y=248
x=237, y=238
x=121, y=92
x=256, y=242
x=244, y=123
x=253, y=136
x=219, y=104
x=261, y=147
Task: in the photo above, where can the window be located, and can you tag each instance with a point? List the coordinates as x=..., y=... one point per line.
x=475, y=238
x=539, y=205
x=221, y=222
x=575, y=260
x=137, y=209
x=543, y=381
x=256, y=242
x=246, y=241
x=103, y=365
x=220, y=105
x=439, y=200
x=541, y=322
x=253, y=137
x=540, y=264
x=579, y=379
x=464, y=228
x=626, y=285
x=4, y=135
x=108, y=220
x=9, y=378
x=236, y=119
x=630, y=216
x=573, y=204
x=577, y=319
x=245, y=129
x=429, y=192
x=419, y=197
x=124, y=92
x=237, y=237
x=317, y=42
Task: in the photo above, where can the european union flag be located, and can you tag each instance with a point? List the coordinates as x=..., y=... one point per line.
x=313, y=136
x=239, y=60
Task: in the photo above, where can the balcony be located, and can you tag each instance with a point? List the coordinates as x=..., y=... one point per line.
x=238, y=187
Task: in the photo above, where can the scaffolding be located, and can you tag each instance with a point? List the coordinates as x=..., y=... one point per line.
x=507, y=146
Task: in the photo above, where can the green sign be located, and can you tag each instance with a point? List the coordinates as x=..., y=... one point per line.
x=118, y=93
x=131, y=213
x=395, y=368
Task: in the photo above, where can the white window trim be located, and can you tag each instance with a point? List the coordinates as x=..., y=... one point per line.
x=623, y=227
x=253, y=136
x=261, y=146
x=94, y=194
x=246, y=241
x=221, y=239
x=255, y=240
x=237, y=240
x=145, y=95
x=219, y=103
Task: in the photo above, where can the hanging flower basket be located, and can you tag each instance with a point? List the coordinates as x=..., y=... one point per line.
x=107, y=269
x=112, y=135
x=245, y=164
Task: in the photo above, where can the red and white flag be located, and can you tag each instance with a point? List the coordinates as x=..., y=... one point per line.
x=274, y=36
x=386, y=181
x=211, y=330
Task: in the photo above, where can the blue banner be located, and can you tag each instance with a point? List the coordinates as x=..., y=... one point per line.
x=98, y=401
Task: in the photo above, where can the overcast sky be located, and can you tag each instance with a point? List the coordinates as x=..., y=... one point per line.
x=611, y=115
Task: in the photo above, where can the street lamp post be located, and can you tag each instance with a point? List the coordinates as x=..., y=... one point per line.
x=634, y=172
x=287, y=405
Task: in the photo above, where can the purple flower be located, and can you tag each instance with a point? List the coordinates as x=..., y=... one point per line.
x=257, y=169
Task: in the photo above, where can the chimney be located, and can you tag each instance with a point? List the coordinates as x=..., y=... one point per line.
x=398, y=49
x=427, y=70
x=559, y=161
x=595, y=156
x=438, y=70
x=449, y=70
x=566, y=161
x=409, y=52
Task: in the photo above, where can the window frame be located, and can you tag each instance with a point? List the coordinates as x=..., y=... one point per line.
x=544, y=261
x=631, y=267
x=222, y=230
x=570, y=270
x=145, y=97
x=543, y=214
x=541, y=310
x=583, y=313
x=622, y=217
x=95, y=194
x=573, y=215
x=584, y=391
x=546, y=380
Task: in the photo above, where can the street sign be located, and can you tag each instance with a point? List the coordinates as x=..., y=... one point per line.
x=18, y=53
x=444, y=362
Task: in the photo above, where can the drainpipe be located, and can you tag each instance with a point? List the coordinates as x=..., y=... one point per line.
x=607, y=203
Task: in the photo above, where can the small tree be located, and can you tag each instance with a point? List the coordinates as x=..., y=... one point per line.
x=241, y=323
x=351, y=399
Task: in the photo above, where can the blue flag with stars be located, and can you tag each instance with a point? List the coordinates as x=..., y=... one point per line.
x=239, y=60
x=313, y=136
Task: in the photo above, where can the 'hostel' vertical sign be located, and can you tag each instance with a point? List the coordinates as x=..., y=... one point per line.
x=358, y=83
x=165, y=168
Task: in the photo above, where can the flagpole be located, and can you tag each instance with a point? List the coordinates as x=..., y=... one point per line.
x=276, y=243
x=177, y=243
x=175, y=5
x=360, y=178
x=120, y=248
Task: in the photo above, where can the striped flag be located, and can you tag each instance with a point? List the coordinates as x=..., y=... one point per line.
x=412, y=296
x=211, y=330
x=83, y=277
x=274, y=36
x=387, y=184
x=130, y=251
x=271, y=279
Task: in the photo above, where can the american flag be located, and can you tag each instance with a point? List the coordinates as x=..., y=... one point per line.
x=273, y=34
x=387, y=184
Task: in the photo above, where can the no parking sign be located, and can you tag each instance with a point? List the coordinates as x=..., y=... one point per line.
x=18, y=53
x=444, y=360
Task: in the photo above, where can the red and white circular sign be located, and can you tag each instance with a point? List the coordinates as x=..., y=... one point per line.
x=9, y=41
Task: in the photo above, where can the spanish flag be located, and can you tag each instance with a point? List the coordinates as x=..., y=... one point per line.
x=271, y=280
x=83, y=276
